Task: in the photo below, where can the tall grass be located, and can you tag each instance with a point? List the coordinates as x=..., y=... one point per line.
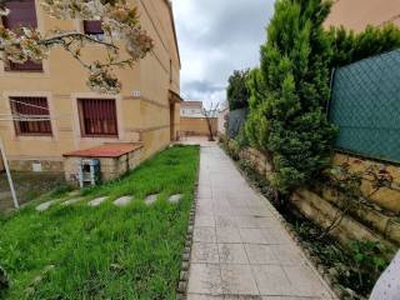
x=107, y=252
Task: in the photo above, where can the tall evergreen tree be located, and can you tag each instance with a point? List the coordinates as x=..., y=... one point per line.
x=289, y=94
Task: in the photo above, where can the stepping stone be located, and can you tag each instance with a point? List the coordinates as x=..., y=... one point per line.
x=72, y=201
x=97, y=201
x=46, y=205
x=125, y=200
x=151, y=199
x=175, y=198
x=73, y=193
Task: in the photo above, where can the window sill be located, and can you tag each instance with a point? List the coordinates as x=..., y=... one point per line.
x=113, y=137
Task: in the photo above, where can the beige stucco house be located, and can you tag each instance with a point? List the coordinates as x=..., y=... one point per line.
x=357, y=14
x=146, y=111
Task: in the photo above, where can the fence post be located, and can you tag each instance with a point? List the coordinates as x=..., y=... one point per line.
x=331, y=85
x=10, y=181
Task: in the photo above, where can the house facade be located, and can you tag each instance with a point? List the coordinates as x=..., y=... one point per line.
x=357, y=14
x=146, y=111
x=192, y=109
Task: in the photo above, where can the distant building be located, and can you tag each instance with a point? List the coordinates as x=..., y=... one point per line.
x=192, y=109
x=357, y=14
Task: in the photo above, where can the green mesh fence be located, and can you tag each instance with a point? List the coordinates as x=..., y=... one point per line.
x=237, y=119
x=365, y=106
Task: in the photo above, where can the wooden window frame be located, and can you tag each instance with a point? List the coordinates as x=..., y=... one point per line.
x=31, y=109
x=83, y=123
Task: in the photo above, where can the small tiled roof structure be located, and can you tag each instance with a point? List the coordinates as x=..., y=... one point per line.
x=106, y=151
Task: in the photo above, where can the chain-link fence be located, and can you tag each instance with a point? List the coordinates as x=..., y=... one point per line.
x=237, y=119
x=365, y=105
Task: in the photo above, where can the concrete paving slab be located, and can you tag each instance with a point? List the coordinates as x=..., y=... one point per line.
x=205, y=279
x=238, y=280
x=232, y=254
x=205, y=253
x=204, y=234
x=97, y=201
x=123, y=201
x=241, y=251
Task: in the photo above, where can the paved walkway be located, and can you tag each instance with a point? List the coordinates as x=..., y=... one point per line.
x=240, y=250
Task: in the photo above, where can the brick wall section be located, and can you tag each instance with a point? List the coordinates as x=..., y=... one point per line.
x=110, y=168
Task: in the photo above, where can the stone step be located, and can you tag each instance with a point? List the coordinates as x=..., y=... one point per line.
x=175, y=198
x=97, y=201
x=123, y=201
x=151, y=199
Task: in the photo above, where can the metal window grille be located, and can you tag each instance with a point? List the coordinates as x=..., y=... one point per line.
x=31, y=108
x=98, y=117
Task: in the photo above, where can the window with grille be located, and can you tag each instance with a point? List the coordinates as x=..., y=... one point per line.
x=22, y=13
x=93, y=28
x=32, y=115
x=98, y=117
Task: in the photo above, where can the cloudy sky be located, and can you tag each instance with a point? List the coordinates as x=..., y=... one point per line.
x=215, y=38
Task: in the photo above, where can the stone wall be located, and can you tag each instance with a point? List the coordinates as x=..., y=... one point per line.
x=387, y=197
x=6, y=201
x=110, y=168
x=371, y=220
x=26, y=165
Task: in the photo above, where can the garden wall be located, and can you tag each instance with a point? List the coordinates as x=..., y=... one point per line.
x=197, y=126
x=377, y=220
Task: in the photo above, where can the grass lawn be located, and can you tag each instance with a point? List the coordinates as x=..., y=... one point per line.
x=106, y=252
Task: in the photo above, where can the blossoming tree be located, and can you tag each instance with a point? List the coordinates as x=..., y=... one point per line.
x=121, y=26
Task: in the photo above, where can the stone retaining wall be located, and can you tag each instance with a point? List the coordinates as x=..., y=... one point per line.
x=6, y=201
x=370, y=221
x=26, y=165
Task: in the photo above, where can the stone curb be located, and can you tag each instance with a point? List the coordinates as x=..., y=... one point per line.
x=316, y=262
x=184, y=273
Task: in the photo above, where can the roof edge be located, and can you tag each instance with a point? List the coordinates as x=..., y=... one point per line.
x=171, y=12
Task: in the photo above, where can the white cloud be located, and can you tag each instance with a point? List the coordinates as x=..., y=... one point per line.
x=217, y=37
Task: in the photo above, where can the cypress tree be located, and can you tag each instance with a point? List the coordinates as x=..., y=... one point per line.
x=289, y=94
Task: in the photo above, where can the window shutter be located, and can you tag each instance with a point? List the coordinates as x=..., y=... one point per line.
x=22, y=13
x=93, y=27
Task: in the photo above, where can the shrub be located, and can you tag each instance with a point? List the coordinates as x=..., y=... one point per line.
x=288, y=94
